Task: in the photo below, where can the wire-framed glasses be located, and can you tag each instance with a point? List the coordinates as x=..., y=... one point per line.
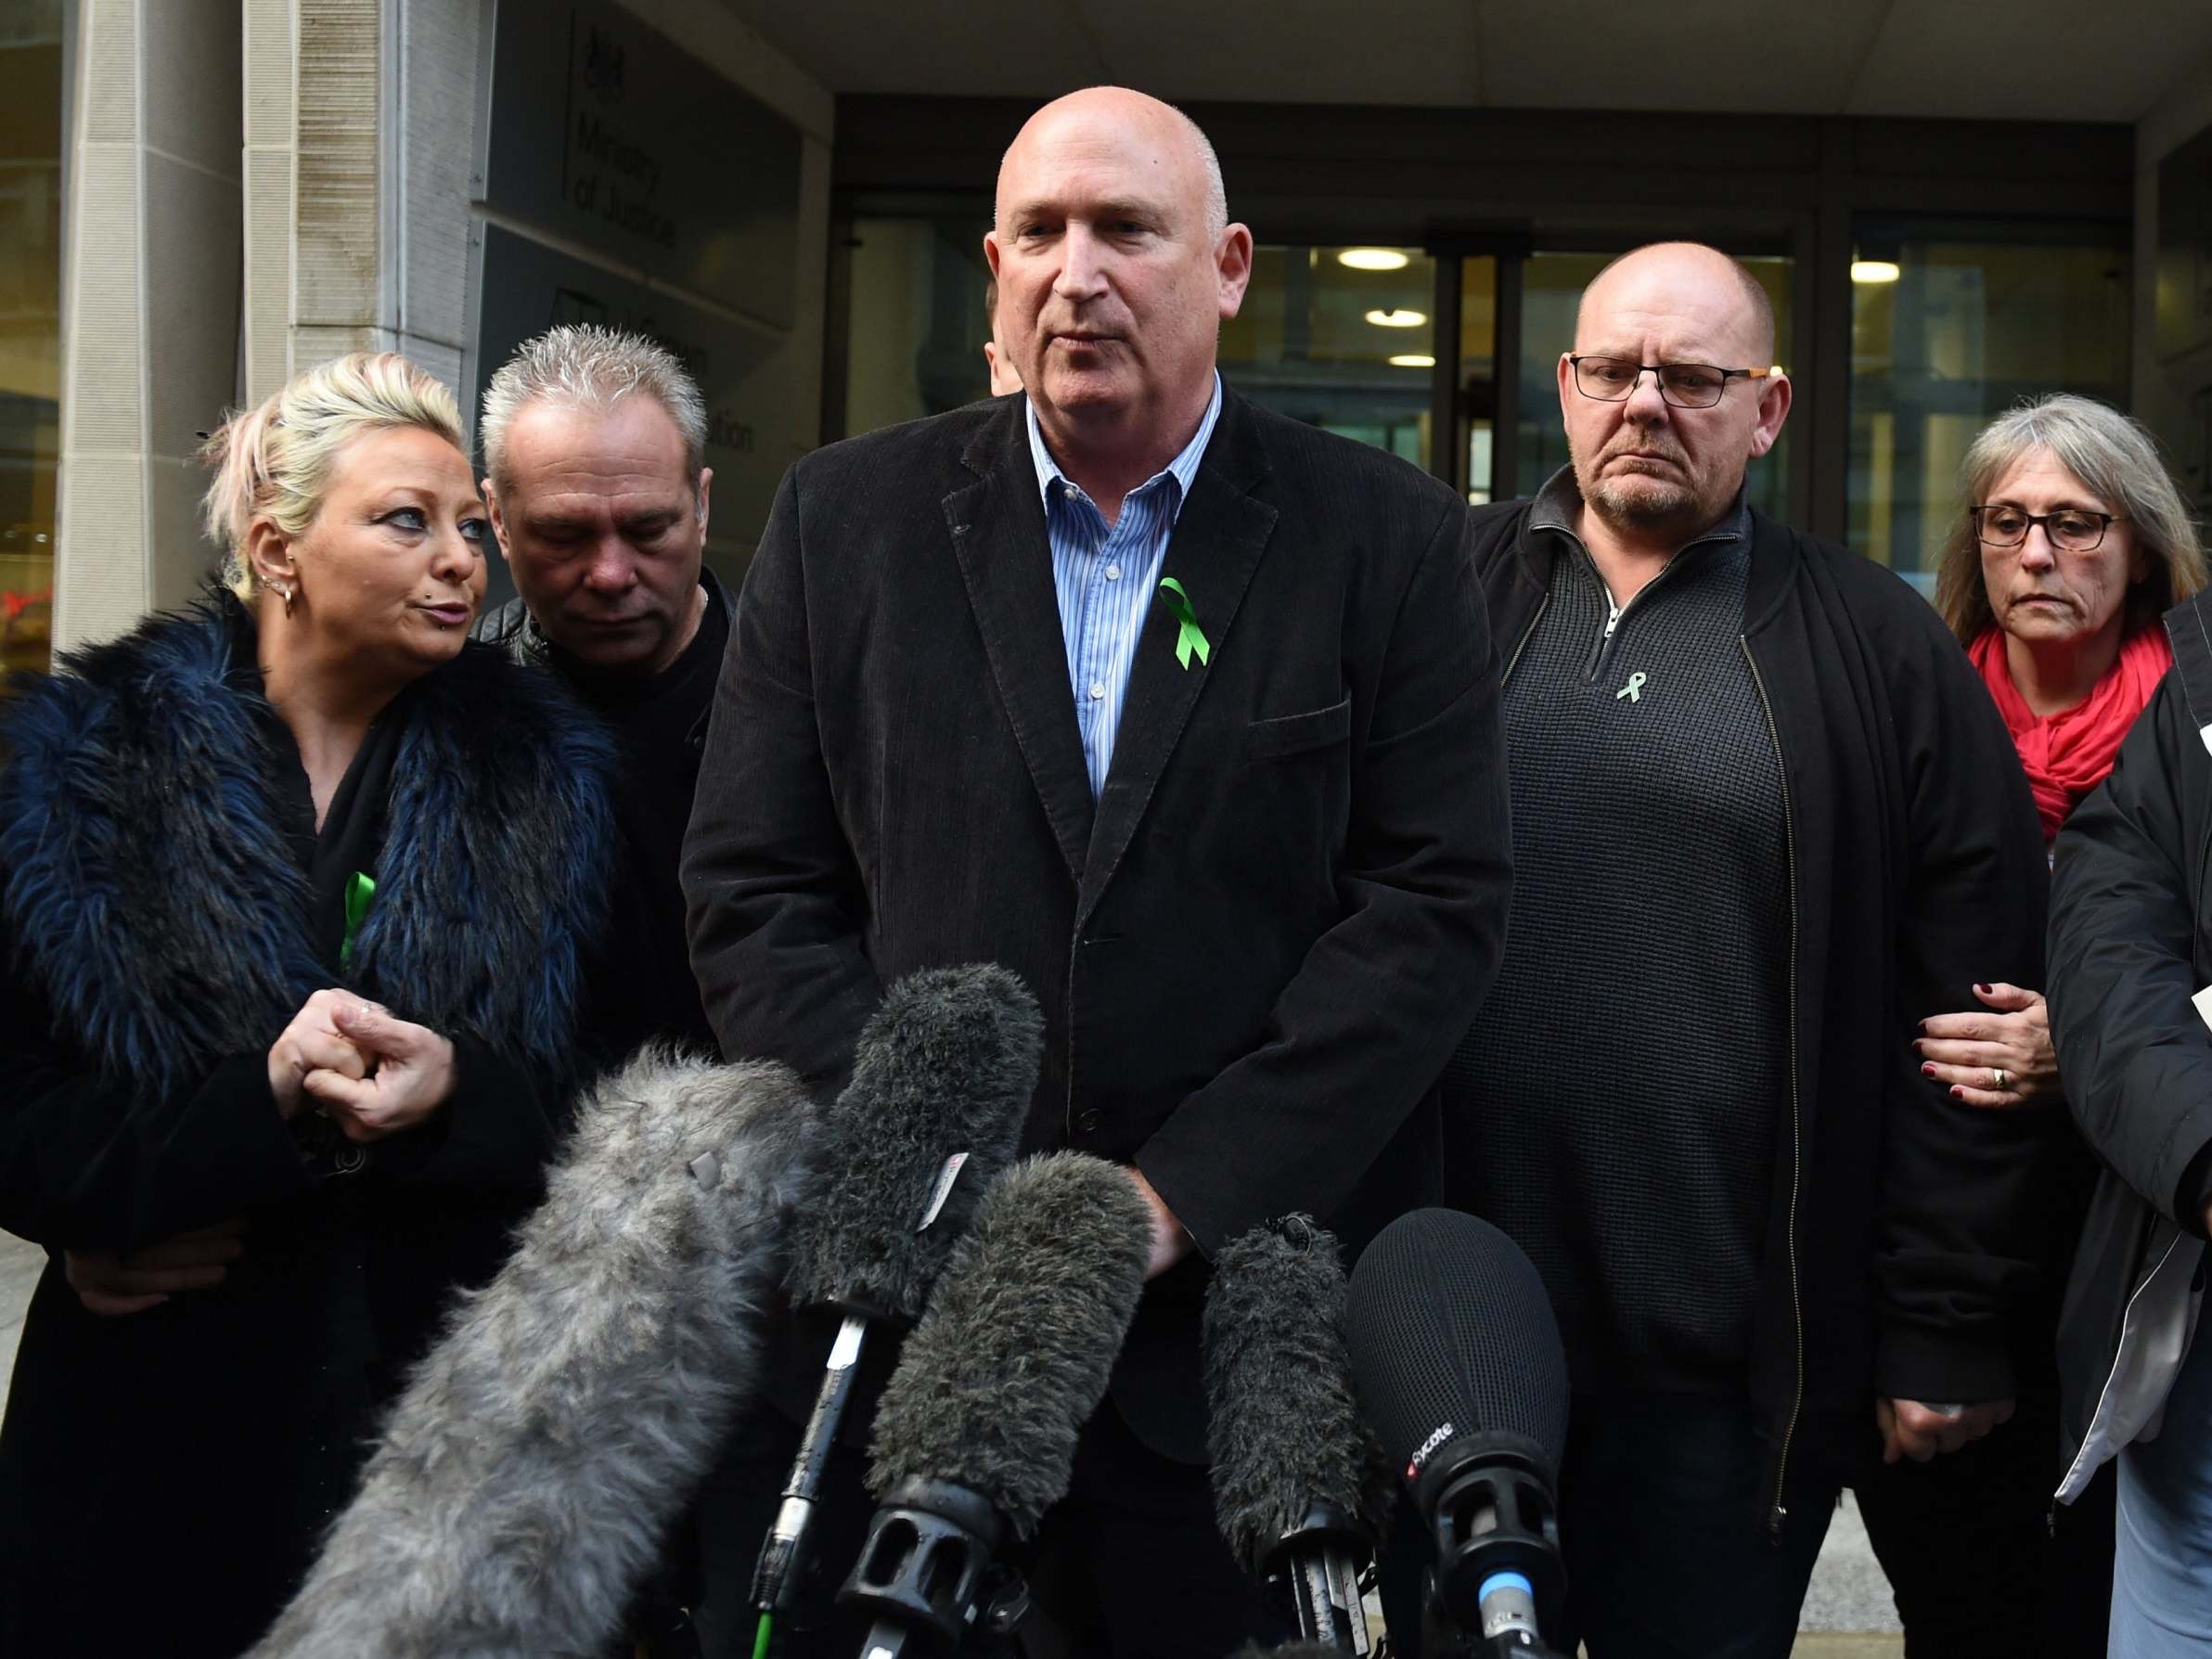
x=2070, y=530
x=1685, y=385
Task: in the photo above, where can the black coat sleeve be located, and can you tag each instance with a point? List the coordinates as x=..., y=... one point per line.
x=1960, y=1237
x=774, y=898
x=2126, y=912
x=1362, y=1030
x=88, y=1163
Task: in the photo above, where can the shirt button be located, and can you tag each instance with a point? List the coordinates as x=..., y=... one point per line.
x=1097, y=690
x=1087, y=1122
x=1114, y=572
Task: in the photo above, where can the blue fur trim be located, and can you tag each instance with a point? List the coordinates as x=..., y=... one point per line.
x=153, y=897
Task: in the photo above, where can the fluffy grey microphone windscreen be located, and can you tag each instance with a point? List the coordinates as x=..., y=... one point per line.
x=1019, y=1339
x=945, y=1067
x=542, y=1449
x=1283, y=1424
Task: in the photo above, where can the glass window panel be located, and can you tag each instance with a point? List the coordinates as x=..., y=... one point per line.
x=1551, y=292
x=1973, y=317
x=1341, y=339
x=917, y=322
x=1478, y=374
x=29, y=325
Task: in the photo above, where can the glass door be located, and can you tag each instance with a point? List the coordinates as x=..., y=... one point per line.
x=1341, y=338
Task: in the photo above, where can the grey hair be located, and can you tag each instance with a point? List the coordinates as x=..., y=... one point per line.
x=1216, y=191
x=581, y=366
x=2116, y=461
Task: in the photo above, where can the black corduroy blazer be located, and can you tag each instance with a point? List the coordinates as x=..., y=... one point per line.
x=1255, y=950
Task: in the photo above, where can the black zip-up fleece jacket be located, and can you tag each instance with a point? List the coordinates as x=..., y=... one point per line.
x=1903, y=1235
x=2131, y=947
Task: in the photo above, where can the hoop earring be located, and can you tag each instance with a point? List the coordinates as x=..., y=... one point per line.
x=286, y=593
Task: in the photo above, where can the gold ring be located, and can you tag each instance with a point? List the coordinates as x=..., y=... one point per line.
x=1997, y=1076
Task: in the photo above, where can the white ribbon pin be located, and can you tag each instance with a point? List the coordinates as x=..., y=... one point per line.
x=1633, y=690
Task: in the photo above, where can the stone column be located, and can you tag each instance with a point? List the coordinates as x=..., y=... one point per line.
x=149, y=302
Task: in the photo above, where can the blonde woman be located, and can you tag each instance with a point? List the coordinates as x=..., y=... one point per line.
x=295, y=886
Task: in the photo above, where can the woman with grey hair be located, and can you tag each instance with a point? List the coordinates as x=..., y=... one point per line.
x=2070, y=547
x=2072, y=544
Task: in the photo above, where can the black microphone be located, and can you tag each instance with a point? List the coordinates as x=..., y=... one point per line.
x=532, y=1468
x=975, y=1437
x=1300, y=1486
x=1456, y=1358
x=941, y=1081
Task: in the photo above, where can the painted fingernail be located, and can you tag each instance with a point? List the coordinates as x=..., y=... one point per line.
x=1923, y=1025
x=1927, y=1071
x=1982, y=989
x=1958, y=1093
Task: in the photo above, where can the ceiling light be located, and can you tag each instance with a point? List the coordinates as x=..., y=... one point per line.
x=1397, y=320
x=1374, y=259
x=1876, y=270
x=1413, y=360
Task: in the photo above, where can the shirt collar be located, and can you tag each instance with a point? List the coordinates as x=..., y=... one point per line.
x=1559, y=504
x=1183, y=468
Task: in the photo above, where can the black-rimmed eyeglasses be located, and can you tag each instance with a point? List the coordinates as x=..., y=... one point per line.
x=2070, y=530
x=1685, y=385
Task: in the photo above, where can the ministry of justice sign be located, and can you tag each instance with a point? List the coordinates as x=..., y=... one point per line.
x=605, y=132
x=742, y=371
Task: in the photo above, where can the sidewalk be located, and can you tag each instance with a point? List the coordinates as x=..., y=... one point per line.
x=1847, y=1614
x=21, y=1264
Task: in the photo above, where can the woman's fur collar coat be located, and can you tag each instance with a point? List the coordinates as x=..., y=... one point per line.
x=153, y=897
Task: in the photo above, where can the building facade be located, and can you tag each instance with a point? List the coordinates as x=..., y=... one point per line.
x=204, y=195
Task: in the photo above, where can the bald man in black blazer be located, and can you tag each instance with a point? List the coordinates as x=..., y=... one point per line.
x=1258, y=932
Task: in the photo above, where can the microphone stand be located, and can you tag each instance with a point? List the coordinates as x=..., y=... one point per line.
x=1321, y=1556
x=1498, y=1570
x=929, y=1574
x=776, y=1577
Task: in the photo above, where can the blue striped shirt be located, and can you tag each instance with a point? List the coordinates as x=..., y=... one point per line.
x=1107, y=576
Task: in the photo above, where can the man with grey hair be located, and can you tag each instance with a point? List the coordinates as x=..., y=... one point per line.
x=593, y=445
x=1181, y=710
x=594, y=442
x=597, y=492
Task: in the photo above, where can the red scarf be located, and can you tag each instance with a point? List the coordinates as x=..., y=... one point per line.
x=2068, y=754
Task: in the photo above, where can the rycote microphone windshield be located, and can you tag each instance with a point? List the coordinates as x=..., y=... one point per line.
x=941, y=1081
x=1299, y=1484
x=532, y=1468
x=976, y=1434
x=1459, y=1370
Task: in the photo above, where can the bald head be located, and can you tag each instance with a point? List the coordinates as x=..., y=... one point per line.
x=1179, y=147
x=1672, y=276
x=1116, y=268
x=1656, y=467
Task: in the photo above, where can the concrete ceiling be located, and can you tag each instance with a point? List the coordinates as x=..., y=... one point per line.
x=2030, y=59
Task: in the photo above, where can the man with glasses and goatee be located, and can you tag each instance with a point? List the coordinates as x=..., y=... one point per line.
x=1764, y=819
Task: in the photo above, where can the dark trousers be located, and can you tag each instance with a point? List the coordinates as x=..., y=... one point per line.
x=1130, y=1563
x=1663, y=1525
x=1979, y=1565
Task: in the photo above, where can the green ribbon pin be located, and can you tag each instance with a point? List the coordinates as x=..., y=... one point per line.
x=358, y=891
x=1190, y=638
